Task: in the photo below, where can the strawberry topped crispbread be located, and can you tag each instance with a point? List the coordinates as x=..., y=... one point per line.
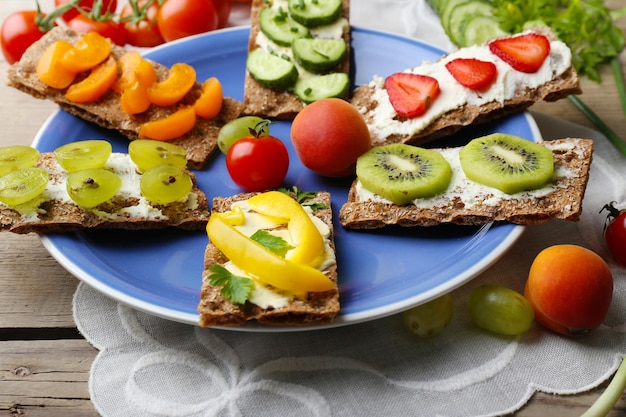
x=471, y=85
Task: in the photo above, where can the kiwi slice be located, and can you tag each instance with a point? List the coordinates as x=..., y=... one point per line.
x=401, y=173
x=506, y=162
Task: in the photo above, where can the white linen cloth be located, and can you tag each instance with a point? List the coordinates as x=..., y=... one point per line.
x=148, y=366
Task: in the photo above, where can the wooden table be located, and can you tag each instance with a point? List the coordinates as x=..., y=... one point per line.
x=44, y=361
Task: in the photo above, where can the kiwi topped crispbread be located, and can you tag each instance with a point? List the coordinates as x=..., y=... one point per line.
x=200, y=142
x=314, y=309
x=561, y=199
x=264, y=102
x=398, y=130
x=54, y=211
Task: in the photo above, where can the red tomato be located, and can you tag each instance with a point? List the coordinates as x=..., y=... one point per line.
x=107, y=28
x=108, y=6
x=257, y=163
x=19, y=31
x=180, y=18
x=615, y=233
x=223, y=8
x=138, y=20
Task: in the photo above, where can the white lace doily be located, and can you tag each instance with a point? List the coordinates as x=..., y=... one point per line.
x=148, y=366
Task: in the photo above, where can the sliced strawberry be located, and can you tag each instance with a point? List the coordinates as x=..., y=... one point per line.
x=525, y=52
x=411, y=94
x=472, y=73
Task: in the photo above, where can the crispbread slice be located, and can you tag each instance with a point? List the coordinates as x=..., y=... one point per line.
x=560, y=200
x=216, y=310
x=559, y=87
x=55, y=212
x=261, y=101
x=200, y=142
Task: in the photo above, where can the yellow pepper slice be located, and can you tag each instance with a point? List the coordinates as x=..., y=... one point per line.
x=180, y=79
x=261, y=263
x=49, y=68
x=97, y=83
x=90, y=50
x=209, y=104
x=308, y=242
x=171, y=127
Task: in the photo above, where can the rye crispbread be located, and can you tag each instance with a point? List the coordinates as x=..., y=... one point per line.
x=200, y=142
x=572, y=159
x=263, y=102
x=557, y=88
x=53, y=213
x=318, y=307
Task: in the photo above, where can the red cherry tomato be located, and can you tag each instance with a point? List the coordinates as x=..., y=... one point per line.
x=19, y=31
x=181, y=18
x=107, y=28
x=108, y=6
x=615, y=233
x=257, y=163
x=223, y=8
x=138, y=19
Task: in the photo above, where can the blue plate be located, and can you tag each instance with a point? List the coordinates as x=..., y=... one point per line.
x=380, y=273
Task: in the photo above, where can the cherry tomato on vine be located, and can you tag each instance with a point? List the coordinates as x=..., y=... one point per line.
x=106, y=7
x=20, y=30
x=106, y=27
x=181, y=18
x=223, y=8
x=138, y=19
x=615, y=232
x=257, y=163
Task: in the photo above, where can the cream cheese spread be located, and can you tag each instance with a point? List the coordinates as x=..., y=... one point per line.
x=508, y=84
x=467, y=191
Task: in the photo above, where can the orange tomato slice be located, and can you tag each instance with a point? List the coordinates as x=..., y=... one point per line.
x=170, y=127
x=90, y=50
x=49, y=69
x=97, y=83
x=209, y=104
x=170, y=91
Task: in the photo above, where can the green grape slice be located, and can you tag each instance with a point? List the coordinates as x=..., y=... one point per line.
x=147, y=153
x=165, y=184
x=15, y=157
x=500, y=310
x=85, y=154
x=92, y=187
x=23, y=185
x=431, y=318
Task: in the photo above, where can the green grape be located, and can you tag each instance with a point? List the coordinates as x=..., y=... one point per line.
x=240, y=128
x=91, y=187
x=164, y=184
x=86, y=154
x=431, y=318
x=147, y=153
x=15, y=157
x=500, y=310
x=21, y=186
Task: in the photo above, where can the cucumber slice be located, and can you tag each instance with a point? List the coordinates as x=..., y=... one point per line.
x=271, y=71
x=463, y=12
x=480, y=29
x=447, y=11
x=322, y=86
x=314, y=13
x=280, y=28
x=319, y=55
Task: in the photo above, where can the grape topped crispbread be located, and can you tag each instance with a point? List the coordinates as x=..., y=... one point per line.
x=312, y=308
x=283, y=103
x=200, y=141
x=54, y=211
x=560, y=199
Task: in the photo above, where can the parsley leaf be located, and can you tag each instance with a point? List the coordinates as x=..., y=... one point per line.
x=273, y=243
x=300, y=196
x=234, y=287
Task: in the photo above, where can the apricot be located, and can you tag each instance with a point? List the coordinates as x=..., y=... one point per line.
x=570, y=289
x=329, y=135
